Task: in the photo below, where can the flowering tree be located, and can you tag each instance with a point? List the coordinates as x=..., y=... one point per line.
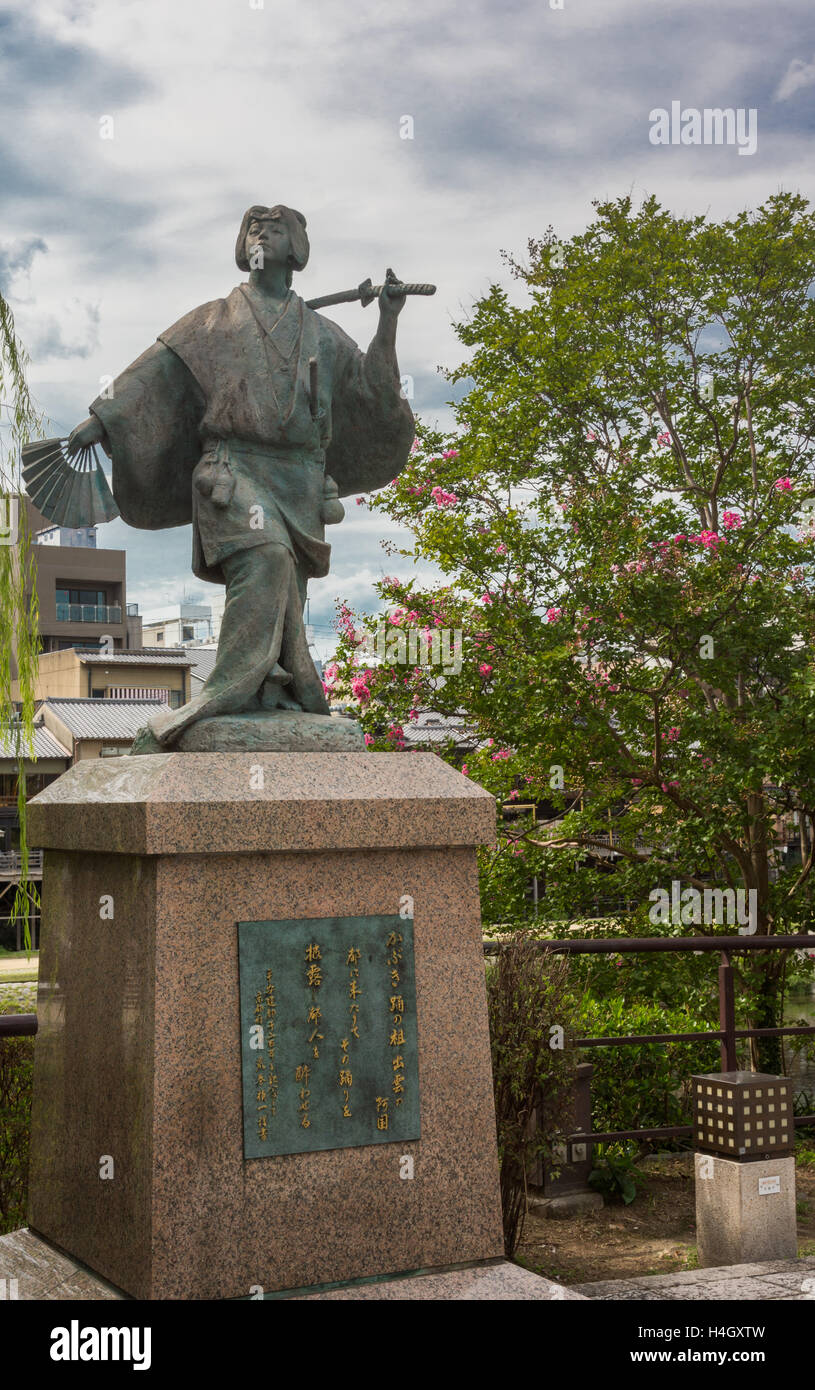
x=624, y=519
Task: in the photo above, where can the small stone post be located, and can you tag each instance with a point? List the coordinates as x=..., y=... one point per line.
x=744, y=1168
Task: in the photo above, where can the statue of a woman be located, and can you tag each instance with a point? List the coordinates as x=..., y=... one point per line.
x=250, y=417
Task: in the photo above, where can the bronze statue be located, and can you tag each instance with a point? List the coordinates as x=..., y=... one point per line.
x=251, y=417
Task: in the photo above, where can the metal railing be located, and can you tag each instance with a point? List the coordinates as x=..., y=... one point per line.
x=11, y=864
x=727, y=1034
x=88, y=613
x=18, y=1025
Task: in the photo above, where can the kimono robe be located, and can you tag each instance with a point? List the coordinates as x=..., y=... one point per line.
x=215, y=425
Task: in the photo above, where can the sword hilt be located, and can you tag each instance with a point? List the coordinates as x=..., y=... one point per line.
x=368, y=292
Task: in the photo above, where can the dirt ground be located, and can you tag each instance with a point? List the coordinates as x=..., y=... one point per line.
x=654, y=1235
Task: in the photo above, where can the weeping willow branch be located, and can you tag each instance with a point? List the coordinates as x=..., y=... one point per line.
x=19, y=612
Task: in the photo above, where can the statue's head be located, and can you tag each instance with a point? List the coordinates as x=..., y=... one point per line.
x=279, y=232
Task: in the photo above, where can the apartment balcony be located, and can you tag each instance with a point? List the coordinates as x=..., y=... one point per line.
x=88, y=613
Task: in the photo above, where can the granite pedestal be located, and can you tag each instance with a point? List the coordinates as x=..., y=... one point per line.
x=137, y=1166
x=745, y=1212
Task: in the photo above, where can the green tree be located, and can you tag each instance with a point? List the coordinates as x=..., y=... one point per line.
x=19, y=643
x=624, y=518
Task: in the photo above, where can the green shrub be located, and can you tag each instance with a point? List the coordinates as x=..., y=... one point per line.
x=643, y=1086
x=16, y=1072
x=616, y=1174
x=532, y=1064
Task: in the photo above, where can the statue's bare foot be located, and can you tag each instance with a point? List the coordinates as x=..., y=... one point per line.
x=146, y=742
x=274, y=695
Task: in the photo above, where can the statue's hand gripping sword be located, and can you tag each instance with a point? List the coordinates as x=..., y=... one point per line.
x=366, y=293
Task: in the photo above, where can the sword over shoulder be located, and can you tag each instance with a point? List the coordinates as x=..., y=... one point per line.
x=366, y=293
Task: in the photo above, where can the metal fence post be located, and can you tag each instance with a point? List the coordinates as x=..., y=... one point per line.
x=727, y=1013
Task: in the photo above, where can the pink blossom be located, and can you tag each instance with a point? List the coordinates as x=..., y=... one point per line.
x=359, y=686
x=396, y=616
x=664, y=438
x=553, y=614
x=464, y=769
x=500, y=755
x=513, y=796
x=672, y=734
x=731, y=521
x=414, y=446
x=783, y=484
x=360, y=501
x=485, y=598
x=450, y=454
x=709, y=539
x=501, y=549
x=485, y=669
x=368, y=740
x=442, y=498
x=591, y=436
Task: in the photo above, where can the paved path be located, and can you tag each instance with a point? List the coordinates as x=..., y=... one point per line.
x=42, y=1272
x=779, y=1280
x=18, y=964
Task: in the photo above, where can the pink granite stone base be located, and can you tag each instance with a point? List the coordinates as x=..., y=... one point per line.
x=138, y=1055
x=500, y=1282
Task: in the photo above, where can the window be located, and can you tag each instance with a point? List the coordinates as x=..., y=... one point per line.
x=97, y=694
x=176, y=699
x=97, y=597
x=159, y=636
x=124, y=692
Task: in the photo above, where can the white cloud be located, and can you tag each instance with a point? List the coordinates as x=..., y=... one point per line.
x=523, y=115
x=799, y=74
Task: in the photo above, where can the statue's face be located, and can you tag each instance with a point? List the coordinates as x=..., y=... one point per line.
x=267, y=242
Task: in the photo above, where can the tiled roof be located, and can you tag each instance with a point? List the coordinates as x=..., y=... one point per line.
x=180, y=657
x=203, y=660
x=117, y=719
x=45, y=745
x=437, y=728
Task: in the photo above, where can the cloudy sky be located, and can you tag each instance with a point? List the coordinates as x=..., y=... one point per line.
x=522, y=111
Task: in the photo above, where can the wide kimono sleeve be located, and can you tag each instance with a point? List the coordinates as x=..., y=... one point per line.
x=151, y=417
x=372, y=424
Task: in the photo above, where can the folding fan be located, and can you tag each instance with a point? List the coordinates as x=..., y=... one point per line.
x=68, y=491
